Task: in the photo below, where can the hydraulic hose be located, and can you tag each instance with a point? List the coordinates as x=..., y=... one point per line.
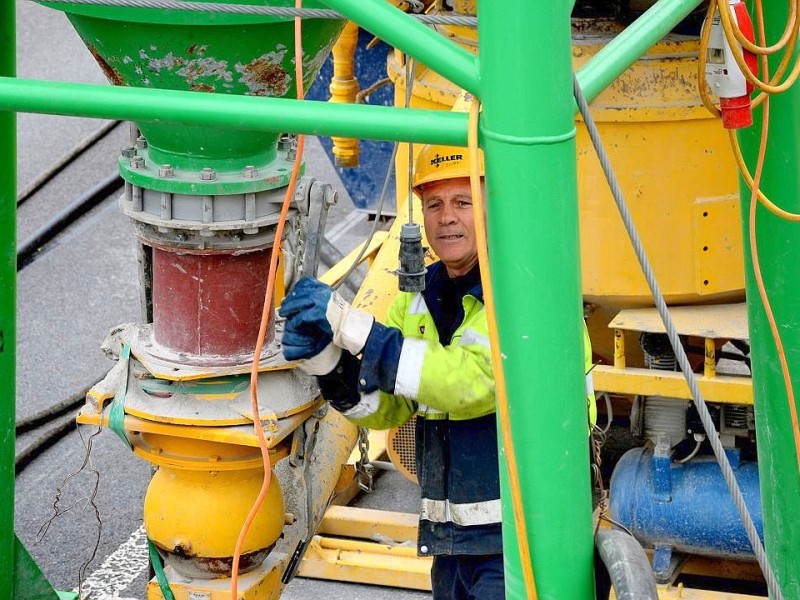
x=69, y=214
x=627, y=565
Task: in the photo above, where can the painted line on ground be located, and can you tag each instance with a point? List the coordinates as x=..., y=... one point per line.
x=119, y=570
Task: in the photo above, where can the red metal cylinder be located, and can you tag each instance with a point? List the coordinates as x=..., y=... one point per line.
x=207, y=304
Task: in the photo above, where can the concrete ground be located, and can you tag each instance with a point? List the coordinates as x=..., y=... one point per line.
x=77, y=289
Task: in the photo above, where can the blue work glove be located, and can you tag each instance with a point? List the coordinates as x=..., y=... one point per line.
x=315, y=309
x=312, y=349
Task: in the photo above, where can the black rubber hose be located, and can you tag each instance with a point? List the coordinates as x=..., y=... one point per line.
x=38, y=419
x=29, y=248
x=25, y=457
x=66, y=160
x=627, y=566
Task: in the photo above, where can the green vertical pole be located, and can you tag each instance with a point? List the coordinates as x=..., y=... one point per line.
x=778, y=242
x=20, y=577
x=8, y=276
x=528, y=133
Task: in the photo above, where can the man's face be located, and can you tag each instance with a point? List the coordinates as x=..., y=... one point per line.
x=449, y=223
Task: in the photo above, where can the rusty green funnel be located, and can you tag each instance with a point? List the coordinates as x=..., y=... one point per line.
x=217, y=53
x=204, y=200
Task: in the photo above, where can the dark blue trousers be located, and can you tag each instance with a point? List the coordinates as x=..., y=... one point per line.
x=468, y=577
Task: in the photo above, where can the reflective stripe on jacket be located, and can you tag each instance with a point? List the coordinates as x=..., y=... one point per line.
x=449, y=385
x=407, y=369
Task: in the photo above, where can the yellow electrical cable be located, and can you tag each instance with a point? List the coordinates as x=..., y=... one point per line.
x=777, y=46
x=748, y=179
x=705, y=35
x=730, y=33
x=497, y=365
x=762, y=290
x=758, y=195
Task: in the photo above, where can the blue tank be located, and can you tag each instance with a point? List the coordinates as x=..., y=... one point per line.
x=684, y=507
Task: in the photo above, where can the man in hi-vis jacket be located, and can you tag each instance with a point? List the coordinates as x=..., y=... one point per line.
x=431, y=359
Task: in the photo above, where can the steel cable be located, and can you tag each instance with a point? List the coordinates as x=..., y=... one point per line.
x=680, y=354
x=272, y=11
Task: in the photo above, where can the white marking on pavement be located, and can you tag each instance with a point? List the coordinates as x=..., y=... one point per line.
x=119, y=570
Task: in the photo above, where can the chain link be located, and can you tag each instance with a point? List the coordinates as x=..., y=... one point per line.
x=364, y=469
x=299, y=246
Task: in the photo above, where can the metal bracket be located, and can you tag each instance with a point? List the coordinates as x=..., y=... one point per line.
x=313, y=199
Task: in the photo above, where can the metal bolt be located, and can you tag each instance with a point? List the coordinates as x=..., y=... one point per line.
x=166, y=171
x=292, y=153
x=284, y=143
x=208, y=174
x=137, y=162
x=331, y=197
x=181, y=237
x=250, y=172
x=128, y=152
x=141, y=143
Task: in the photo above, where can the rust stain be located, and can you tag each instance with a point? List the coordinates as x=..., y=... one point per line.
x=222, y=565
x=110, y=72
x=265, y=78
x=596, y=26
x=198, y=68
x=202, y=87
x=169, y=62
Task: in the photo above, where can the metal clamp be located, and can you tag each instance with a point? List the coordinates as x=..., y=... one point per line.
x=313, y=199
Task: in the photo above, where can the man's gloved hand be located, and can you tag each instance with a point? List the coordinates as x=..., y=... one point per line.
x=314, y=308
x=313, y=350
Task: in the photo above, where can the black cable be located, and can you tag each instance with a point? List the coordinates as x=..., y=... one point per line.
x=27, y=251
x=38, y=419
x=44, y=178
x=65, y=424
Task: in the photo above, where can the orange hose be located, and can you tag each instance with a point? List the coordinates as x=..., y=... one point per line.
x=266, y=314
x=754, y=252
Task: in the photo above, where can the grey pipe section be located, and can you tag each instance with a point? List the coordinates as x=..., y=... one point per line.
x=631, y=575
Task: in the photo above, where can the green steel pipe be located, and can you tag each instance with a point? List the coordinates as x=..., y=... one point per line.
x=626, y=48
x=235, y=112
x=532, y=207
x=8, y=278
x=777, y=243
x=389, y=23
